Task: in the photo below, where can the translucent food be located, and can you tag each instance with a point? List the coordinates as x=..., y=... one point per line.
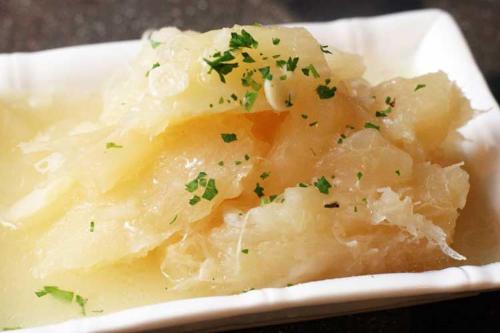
x=221, y=162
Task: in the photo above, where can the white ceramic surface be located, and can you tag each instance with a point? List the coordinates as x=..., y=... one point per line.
x=404, y=44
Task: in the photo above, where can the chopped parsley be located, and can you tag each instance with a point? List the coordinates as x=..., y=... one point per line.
x=248, y=81
x=221, y=100
x=398, y=172
x=390, y=102
x=383, y=113
x=355, y=209
x=92, y=226
x=247, y=157
x=280, y=63
x=229, y=137
x=370, y=125
x=313, y=124
x=110, y=145
x=341, y=138
x=155, y=65
x=259, y=190
x=323, y=185
x=420, y=86
x=359, y=175
x=310, y=69
x=237, y=162
x=63, y=295
x=291, y=64
x=334, y=204
x=302, y=185
x=221, y=163
x=324, y=49
x=234, y=97
x=290, y=284
x=249, y=100
x=245, y=251
x=266, y=73
x=12, y=328
x=221, y=65
x=276, y=41
x=304, y=116
x=172, y=221
x=288, y=101
x=81, y=302
x=210, y=190
x=154, y=44
x=242, y=40
x=264, y=175
x=275, y=56
x=283, y=77
x=247, y=58
x=199, y=180
x=325, y=92
x=194, y=200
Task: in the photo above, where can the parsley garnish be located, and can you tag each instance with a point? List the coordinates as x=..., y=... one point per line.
x=242, y=40
x=247, y=157
x=334, y=204
x=304, y=116
x=383, y=113
x=63, y=295
x=229, y=137
x=291, y=64
x=110, y=145
x=390, y=102
x=248, y=81
x=276, y=41
x=313, y=124
x=359, y=175
x=221, y=163
x=154, y=44
x=249, y=100
x=324, y=48
x=283, y=77
x=355, y=209
x=323, y=185
x=155, y=65
x=266, y=73
x=172, y=221
x=247, y=58
x=245, y=251
x=324, y=92
x=341, y=138
x=194, y=200
x=210, y=190
x=288, y=102
x=237, y=162
x=92, y=226
x=259, y=190
x=398, y=172
x=280, y=63
x=302, y=185
x=370, y=125
x=199, y=180
x=13, y=328
x=264, y=175
x=221, y=100
x=310, y=69
x=234, y=97
x=419, y=86
x=81, y=302
x=220, y=64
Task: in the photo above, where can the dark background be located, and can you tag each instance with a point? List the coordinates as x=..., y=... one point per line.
x=30, y=25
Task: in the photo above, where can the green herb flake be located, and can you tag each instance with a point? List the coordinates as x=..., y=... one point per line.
x=370, y=125
x=323, y=185
x=310, y=70
x=288, y=101
x=237, y=162
x=302, y=185
x=229, y=137
x=211, y=105
x=383, y=113
x=247, y=157
x=172, y=221
x=355, y=209
x=275, y=56
x=210, y=191
x=154, y=44
x=248, y=81
x=110, y=145
x=334, y=204
x=247, y=58
x=280, y=63
x=92, y=226
x=264, y=175
x=13, y=328
x=325, y=92
x=390, y=102
x=221, y=65
x=221, y=100
x=194, y=200
x=249, y=100
x=259, y=190
x=304, y=116
x=276, y=41
x=221, y=163
x=290, y=284
x=63, y=295
x=398, y=172
x=291, y=64
x=242, y=40
x=420, y=86
x=155, y=65
x=266, y=73
x=245, y=251
x=359, y=175
x=324, y=49
x=313, y=124
x=81, y=302
x=234, y=97
x=283, y=77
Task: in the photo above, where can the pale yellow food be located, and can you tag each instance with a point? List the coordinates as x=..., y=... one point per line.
x=171, y=183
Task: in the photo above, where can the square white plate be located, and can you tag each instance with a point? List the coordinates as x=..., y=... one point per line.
x=405, y=44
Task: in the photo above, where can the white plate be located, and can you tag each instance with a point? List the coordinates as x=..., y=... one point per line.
x=404, y=44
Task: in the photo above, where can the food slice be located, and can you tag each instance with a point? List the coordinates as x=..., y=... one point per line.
x=185, y=182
